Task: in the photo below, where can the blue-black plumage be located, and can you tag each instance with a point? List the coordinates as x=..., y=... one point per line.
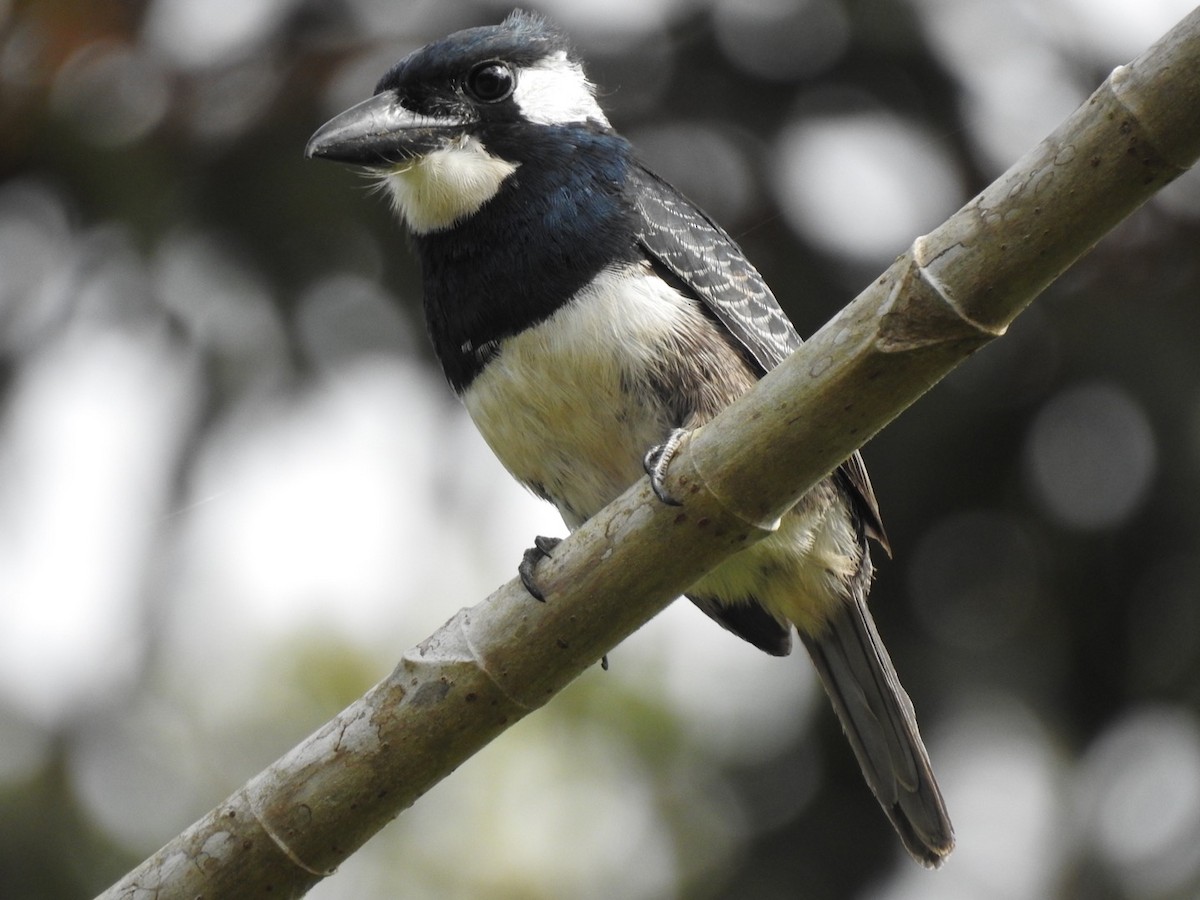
x=509, y=266
x=587, y=313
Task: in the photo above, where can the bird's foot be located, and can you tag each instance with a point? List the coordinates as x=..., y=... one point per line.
x=529, y=562
x=658, y=460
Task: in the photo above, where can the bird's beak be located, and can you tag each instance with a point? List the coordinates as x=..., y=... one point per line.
x=380, y=132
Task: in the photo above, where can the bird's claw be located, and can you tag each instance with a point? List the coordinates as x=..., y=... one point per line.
x=658, y=460
x=529, y=562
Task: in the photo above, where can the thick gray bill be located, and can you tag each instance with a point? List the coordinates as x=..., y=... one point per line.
x=379, y=132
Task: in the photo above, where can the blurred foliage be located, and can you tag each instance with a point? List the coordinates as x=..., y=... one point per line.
x=1044, y=596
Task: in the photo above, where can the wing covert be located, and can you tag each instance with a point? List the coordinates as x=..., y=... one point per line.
x=679, y=237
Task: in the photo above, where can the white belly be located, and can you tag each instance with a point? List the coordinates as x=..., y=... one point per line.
x=567, y=408
x=565, y=405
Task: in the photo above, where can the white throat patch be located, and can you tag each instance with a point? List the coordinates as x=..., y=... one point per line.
x=437, y=190
x=554, y=91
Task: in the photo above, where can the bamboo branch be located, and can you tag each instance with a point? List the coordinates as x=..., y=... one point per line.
x=953, y=291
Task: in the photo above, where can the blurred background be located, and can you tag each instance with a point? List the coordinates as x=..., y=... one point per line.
x=233, y=487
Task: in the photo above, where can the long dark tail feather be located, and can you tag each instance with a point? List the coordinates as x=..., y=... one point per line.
x=878, y=719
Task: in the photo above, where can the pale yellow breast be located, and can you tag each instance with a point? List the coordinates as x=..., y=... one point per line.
x=565, y=405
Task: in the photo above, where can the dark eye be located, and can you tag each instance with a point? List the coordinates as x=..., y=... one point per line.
x=490, y=82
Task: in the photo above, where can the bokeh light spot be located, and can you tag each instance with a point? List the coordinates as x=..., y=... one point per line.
x=781, y=40
x=201, y=33
x=862, y=185
x=1090, y=456
x=113, y=94
x=1140, y=799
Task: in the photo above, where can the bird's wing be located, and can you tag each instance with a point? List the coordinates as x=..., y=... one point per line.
x=681, y=239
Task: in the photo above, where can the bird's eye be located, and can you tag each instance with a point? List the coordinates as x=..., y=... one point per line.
x=490, y=82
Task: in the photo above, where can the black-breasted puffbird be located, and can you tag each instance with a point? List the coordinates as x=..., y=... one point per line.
x=588, y=315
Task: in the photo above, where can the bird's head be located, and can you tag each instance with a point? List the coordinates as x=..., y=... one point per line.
x=451, y=122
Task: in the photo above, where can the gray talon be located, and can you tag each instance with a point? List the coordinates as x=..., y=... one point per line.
x=658, y=460
x=542, y=546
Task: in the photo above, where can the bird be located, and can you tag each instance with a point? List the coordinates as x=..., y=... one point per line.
x=588, y=316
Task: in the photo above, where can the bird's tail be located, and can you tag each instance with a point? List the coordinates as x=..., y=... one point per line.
x=878, y=719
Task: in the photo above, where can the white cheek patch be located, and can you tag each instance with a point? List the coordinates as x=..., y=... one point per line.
x=554, y=91
x=437, y=190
